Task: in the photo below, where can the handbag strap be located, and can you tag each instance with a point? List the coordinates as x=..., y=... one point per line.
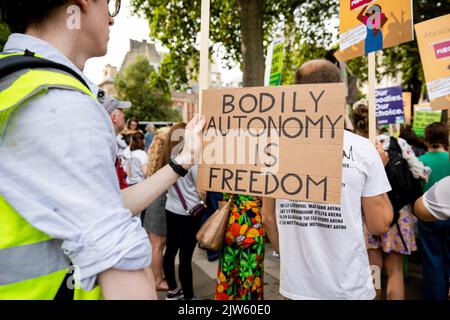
x=180, y=196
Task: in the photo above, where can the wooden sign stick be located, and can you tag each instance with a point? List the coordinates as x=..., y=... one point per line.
x=204, y=51
x=372, y=105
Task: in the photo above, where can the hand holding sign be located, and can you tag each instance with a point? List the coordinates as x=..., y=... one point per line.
x=192, y=142
x=282, y=142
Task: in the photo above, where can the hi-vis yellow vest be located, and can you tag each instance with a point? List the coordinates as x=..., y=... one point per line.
x=32, y=265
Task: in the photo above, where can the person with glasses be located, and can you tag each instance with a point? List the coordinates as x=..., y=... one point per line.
x=60, y=206
x=114, y=7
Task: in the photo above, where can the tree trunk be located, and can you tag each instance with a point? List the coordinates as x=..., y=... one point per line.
x=250, y=15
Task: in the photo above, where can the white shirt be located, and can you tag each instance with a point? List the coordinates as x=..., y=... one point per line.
x=322, y=248
x=57, y=170
x=133, y=165
x=187, y=186
x=437, y=199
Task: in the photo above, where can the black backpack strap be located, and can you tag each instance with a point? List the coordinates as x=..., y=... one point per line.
x=394, y=146
x=401, y=235
x=11, y=64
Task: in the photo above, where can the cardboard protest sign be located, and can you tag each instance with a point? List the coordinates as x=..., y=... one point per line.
x=368, y=26
x=389, y=105
x=407, y=104
x=448, y=125
x=274, y=63
x=433, y=38
x=279, y=142
x=422, y=118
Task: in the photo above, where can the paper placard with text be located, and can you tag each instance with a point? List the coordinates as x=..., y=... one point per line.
x=368, y=26
x=433, y=38
x=422, y=106
x=281, y=142
x=389, y=105
x=274, y=63
x=423, y=118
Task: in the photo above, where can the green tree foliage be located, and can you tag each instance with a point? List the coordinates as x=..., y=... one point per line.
x=177, y=24
x=4, y=34
x=295, y=55
x=145, y=89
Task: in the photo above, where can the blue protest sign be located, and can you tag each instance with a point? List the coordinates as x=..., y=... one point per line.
x=389, y=106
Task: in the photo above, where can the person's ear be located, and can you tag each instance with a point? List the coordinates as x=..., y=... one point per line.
x=114, y=117
x=82, y=4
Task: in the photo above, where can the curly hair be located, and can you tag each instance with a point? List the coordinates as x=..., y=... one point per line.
x=157, y=152
x=161, y=148
x=360, y=119
x=20, y=14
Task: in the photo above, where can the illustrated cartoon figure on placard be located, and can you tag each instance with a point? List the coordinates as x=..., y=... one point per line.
x=374, y=20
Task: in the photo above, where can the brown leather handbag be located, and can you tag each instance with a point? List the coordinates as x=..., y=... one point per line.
x=212, y=233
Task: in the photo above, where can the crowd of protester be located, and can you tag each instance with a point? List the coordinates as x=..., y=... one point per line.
x=91, y=192
x=393, y=175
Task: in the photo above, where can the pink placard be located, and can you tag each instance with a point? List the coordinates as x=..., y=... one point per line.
x=442, y=50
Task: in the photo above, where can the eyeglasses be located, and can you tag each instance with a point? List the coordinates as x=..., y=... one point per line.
x=114, y=7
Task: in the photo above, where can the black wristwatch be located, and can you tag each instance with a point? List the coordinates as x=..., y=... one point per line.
x=177, y=168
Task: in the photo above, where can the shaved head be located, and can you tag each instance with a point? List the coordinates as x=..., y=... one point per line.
x=318, y=71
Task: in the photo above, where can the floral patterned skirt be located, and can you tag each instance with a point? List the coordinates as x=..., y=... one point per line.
x=240, y=274
x=391, y=240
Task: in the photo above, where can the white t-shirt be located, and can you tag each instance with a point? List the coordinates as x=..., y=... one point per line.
x=322, y=248
x=133, y=164
x=437, y=199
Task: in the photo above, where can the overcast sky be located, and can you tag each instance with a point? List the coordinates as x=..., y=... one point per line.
x=127, y=27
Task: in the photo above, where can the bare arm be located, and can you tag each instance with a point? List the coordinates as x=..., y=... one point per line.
x=202, y=195
x=383, y=154
x=127, y=169
x=140, y=284
x=422, y=213
x=270, y=222
x=144, y=169
x=378, y=213
x=360, y=16
x=138, y=197
x=435, y=203
x=128, y=285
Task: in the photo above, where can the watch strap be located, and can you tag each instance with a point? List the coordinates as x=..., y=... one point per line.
x=178, y=168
